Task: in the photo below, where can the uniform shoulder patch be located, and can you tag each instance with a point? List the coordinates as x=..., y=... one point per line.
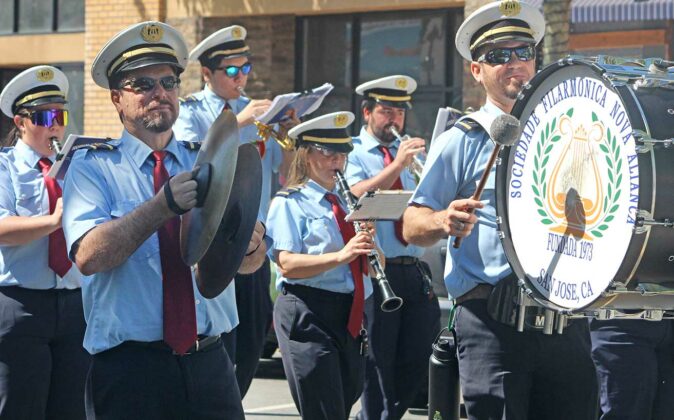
x=190, y=145
x=285, y=192
x=187, y=99
x=467, y=125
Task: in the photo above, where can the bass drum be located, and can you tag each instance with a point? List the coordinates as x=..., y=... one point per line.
x=585, y=198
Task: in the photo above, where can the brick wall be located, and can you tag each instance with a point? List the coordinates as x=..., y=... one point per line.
x=103, y=19
x=272, y=44
x=473, y=93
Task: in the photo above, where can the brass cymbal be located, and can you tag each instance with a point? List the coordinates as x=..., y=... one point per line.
x=219, y=150
x=224, y=256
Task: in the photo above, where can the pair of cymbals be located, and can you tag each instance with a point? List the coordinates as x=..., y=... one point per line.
x=216, y=233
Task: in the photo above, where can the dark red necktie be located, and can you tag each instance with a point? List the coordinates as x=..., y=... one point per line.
x=358, y=268
x=180, y=320
x=397, y=185
x=58, y=257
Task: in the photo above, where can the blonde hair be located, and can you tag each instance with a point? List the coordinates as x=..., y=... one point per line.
x=298, y=174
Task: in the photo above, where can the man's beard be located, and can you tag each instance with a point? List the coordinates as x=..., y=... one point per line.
x=158, y=122
x=384, y=134
x=513, y=90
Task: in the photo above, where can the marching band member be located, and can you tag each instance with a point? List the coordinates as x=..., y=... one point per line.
x=155, y=340
x=400, y=341
x=43, y=364
x=322, y=275
x=635, y=367
x=225, y=66
x=504, y=374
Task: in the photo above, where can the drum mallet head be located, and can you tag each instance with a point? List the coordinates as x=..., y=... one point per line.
x=505, y=130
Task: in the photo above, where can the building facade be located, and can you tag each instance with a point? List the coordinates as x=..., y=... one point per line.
x=301, y=44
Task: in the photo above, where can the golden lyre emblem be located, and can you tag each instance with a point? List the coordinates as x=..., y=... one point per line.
x=45, y=75
x=237, y=33
x=576, y=189
x=341, y=120
x=152, y=33
x=510, y=8
x=401, y=83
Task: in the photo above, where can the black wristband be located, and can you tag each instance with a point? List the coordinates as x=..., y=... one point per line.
x=258, y=245
x=170, y=201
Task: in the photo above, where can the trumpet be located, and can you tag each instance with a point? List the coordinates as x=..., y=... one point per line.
x=265, y=131
x=390, y=301
x=416, y=167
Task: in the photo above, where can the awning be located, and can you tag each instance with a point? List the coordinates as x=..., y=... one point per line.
x=592, y=11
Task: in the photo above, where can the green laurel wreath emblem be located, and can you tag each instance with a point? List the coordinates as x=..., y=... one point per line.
x=611, y=150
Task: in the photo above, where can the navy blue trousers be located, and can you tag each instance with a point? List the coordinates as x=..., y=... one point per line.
x=635, y=368
x=400, y=345
x=132, y=382
x=245, y=343
x=43, y=365
x=321, y=360
x=513, y=375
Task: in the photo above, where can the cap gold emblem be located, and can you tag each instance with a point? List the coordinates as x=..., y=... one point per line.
x=237, y=33
x=152, y=32
x=510, y=8
x=401, y=83
x=45, y=75
x=341, y=120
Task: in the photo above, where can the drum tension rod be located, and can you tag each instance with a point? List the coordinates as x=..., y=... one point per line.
x=645, y=219
x=649, y=142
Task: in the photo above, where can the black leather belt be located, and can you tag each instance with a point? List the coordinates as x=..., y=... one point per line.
x=202, y=344
x=402, y=260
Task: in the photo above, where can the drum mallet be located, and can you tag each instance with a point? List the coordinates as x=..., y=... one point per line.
x=504, y=131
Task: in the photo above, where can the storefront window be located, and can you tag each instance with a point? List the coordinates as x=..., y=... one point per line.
x=347, y=50
x=41, y=16
x=36, y=16
x=6, y=16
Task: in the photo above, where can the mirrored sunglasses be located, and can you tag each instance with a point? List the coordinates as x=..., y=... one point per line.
x=232, y=71
x=328, y=153
x=147, y=84
x=504, y=55
x=47, y=117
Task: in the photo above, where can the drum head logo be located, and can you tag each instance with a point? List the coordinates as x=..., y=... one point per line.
x=573, y=188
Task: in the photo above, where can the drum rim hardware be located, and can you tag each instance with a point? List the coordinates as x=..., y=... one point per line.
x=649, y=142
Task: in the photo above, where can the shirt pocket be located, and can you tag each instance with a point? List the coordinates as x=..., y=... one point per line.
x=28, y=199
x=321, y=236
x=151, y=245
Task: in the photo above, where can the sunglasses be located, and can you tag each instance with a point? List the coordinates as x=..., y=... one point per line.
x=47, y=117
x=232, y=71
x=504, y=55
x=147, y=84
x=327, y=152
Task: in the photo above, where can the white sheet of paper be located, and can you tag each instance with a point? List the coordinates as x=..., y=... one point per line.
x=303, y=102
x=381, y=205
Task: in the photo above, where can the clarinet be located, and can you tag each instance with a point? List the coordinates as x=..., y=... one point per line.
x=390, y=302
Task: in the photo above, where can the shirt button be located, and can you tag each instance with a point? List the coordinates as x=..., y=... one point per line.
x=198, y=301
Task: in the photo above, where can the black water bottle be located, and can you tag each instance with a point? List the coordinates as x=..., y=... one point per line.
x=443, y=379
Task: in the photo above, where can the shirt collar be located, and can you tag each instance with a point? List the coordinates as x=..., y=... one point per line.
x=371, y=142
x=139, y=151
x=315, y=191
x=26, y=153
x=214, y=98
x=490, y=108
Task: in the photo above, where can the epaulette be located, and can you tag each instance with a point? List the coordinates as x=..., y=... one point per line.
x=94, y=146
x=188, y=99
x=287, y=191
x=190, y=145
x=466, y=125
x=6, y=149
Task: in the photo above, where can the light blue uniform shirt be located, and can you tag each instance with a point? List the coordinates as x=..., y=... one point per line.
x=367, y=161
x=303, y=223
x=197, y=114
x=23, y=193
x=454, y=166
x=125, y=303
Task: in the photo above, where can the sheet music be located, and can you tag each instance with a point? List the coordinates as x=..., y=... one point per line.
x=303, y=102
x=72, y=144
x=381, y=205
x=445, y=120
